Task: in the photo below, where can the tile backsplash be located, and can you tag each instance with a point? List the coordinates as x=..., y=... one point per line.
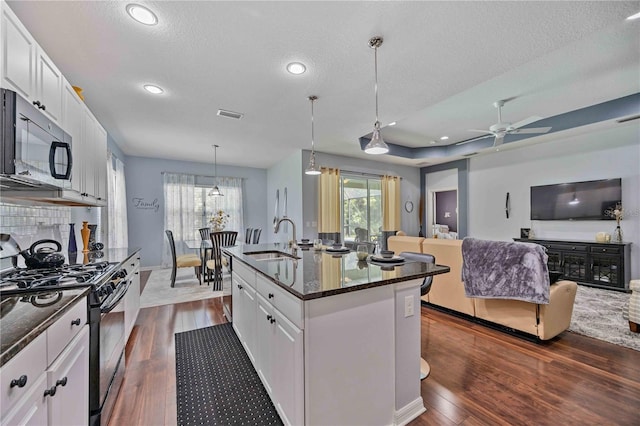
x=28, y=224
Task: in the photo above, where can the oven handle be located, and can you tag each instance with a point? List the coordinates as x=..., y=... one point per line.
x=118, y=298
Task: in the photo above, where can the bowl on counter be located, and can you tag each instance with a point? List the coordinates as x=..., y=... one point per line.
x=387, y=254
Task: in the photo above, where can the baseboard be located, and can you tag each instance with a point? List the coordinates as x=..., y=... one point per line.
x=409, y=412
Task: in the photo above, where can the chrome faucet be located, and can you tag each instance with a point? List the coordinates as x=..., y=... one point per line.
x=294, y=242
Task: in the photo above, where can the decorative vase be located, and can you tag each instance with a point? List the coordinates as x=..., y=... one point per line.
x=72, y=247
x=618, y=234
x=218, y=228
x=85, y=231
x=92, y=236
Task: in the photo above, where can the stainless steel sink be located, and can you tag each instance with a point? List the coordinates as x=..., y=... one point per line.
x=269, y=255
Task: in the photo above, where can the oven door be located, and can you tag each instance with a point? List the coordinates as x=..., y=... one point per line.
x=112, y=362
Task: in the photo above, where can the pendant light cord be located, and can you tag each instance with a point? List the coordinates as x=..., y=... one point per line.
x=312, y=134
x=375, y=56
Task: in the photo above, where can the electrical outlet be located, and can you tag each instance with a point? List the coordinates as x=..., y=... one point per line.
x=408, y=306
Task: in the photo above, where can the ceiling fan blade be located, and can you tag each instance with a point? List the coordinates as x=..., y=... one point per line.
x=475, y=139
x=531, y=130
x=524, y=122
x=499, y=140
x=479, y=131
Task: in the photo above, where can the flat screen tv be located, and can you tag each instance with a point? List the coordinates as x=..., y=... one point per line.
x=575, y=200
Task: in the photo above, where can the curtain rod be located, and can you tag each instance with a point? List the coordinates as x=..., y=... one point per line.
x=365, y=174
x=205, y=176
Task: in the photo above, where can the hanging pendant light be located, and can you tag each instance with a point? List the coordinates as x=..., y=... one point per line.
x=311, y=169
x=376, y=145
x=215, y=191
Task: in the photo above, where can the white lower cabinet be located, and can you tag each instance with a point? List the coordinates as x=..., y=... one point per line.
x=132, y=298
x=68, y=379
x=47, y=382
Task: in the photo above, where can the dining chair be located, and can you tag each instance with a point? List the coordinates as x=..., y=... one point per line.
x=425, y=287
x=183, y=261
x=247, y=235
x=205, y=253
x=219, y=239
x=256, y=235
x=204, y=233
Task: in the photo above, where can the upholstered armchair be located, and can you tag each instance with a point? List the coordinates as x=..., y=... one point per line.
x=632, y=312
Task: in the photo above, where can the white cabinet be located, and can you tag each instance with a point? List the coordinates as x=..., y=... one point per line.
x=47, y=382
x=279, y=352
x=132, y=298
x=72, y=114
x=67, y=382
x=100, y=170
x=244, y=308
x=27, y=69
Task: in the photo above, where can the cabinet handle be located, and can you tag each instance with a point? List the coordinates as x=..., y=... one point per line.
x=20, y=382
x=272, y=320
x=573, y=247
x=271, y=296
x=137, y=273
x=62, y=382
x=50, y=392
x=75, y=321
x=42, y=107
x=37, y=103
x=239, y=287
x=268, y=317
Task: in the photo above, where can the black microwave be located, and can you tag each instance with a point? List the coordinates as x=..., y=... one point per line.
x=35, y=152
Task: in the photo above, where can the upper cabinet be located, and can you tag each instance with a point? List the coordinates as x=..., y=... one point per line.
x=26, y=69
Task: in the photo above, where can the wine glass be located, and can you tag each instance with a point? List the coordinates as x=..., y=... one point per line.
x=362, y=251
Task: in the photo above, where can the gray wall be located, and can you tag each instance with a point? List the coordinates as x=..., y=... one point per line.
x=286, y=174
x=144, y=180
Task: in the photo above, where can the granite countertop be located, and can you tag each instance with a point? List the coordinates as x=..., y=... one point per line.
x=317, y=273
x=23, y=318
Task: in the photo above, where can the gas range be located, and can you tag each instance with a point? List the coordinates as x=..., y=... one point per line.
x=24, y=280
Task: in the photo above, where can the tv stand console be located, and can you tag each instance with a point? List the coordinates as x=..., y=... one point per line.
x=604, y=265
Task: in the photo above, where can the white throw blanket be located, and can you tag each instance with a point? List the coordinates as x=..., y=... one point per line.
x=505, y=270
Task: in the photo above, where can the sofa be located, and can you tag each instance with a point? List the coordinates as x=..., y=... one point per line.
x=543, y=321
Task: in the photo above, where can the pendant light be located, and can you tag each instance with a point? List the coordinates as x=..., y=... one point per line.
x=311, y=169
x=376, y=145
x=215, y=191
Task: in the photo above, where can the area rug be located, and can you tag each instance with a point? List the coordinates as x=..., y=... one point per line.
x=597, y=313
x=158, y=290
x=216, y=382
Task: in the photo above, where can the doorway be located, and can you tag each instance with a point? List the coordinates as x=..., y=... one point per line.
x=445, y=211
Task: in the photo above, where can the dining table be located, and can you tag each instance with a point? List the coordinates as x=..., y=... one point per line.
x=204, y=247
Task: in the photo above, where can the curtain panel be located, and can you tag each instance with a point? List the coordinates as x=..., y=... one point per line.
x=117, y=227
x=179, y=211
x=329, y=201
x=230, y=202
x=391, y=203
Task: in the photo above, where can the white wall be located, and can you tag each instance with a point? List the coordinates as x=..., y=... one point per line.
x=286, y=174
x=613, y=153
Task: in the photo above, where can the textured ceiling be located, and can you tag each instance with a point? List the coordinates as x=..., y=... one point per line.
x=441, y=67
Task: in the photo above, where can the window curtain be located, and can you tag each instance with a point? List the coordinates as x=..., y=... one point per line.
x=117, y=231
x=230, y=202
x=390, y=203
x=179, y=212
x=329, y=204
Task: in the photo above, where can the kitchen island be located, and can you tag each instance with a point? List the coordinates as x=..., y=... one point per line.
x=334, y=340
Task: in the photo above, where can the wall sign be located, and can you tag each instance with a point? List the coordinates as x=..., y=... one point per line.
x=142, y=204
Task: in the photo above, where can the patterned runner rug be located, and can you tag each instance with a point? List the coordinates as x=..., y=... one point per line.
x=597, y=313
x=216, y=382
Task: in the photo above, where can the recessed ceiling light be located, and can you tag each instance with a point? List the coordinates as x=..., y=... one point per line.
x=393, y=123
x=296, y=68
x=632, y=17
x=142, y=14
x=153, y=89
x=444, y=138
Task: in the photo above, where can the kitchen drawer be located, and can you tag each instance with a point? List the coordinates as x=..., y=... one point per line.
x=567, y=247
x=289, y=305
x=246, y=273
x=605, y=249
x=30, y=362
x=64, y=329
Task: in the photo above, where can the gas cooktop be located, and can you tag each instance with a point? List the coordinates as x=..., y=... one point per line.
x=61, y=277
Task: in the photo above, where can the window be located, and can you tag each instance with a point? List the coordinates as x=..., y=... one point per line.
x=361, y=208
x=231, y=203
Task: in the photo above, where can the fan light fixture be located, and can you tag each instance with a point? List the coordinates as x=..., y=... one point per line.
x=215, y=191
x=376, y=145
x=152, y=88
x=296, y=68
x=312, y=169
x=574, y=200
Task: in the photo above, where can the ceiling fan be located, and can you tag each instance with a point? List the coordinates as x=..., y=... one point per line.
x=500, y=129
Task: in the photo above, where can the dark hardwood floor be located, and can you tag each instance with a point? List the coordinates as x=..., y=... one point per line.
x=479, y=376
